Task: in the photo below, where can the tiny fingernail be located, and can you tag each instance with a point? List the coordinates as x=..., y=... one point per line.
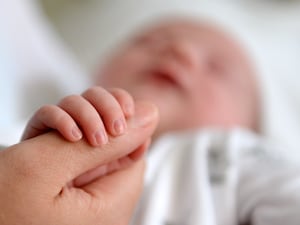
x=129, y=110
x=119, y=126
x=100, y=137
x=76, y=133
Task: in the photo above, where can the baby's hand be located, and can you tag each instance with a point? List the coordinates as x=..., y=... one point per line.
x=94, y=113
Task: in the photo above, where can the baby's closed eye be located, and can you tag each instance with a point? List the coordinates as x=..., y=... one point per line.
x=215, y=66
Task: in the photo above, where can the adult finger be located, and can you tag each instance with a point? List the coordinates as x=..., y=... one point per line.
x=108, y=200
x=119, y=190
x=106, y=169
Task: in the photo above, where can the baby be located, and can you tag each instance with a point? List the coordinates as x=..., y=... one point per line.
x=196, y=74
x=204, y=86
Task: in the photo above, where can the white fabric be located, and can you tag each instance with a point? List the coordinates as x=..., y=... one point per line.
x=213, y=177
x=35, y=67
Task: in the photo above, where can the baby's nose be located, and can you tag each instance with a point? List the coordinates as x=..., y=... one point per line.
x=184, y=52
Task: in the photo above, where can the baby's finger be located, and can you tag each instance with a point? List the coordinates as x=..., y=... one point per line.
x=109, y=109
x=52, y=117
x=125, y=100
x=87, y=117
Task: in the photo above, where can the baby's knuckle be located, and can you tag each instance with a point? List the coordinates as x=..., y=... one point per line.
x=69, y=100
x=62, y=119
x=116, y=90
x=121, y=92
x=44, y=110
x=123, y=97
x=112, y=113
x=95, y=90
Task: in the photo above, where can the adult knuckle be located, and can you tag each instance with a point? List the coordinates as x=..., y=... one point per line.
x=25, y=168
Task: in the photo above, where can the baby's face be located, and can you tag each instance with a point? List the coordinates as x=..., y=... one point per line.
x=194, y=73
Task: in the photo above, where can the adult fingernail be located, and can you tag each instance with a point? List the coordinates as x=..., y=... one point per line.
x=145, y=113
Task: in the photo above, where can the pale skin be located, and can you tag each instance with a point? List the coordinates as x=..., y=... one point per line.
x=195, y=74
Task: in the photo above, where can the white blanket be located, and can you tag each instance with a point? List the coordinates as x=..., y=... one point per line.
x=35, y=67
x=213, y=177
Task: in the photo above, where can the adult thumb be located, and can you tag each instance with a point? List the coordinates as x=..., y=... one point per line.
x=117, y=193
x=54, y=162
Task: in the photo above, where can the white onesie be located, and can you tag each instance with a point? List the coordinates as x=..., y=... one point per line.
x=213, y=177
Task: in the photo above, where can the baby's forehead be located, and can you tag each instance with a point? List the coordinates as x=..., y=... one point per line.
x=196, y=32
x=205, y=35
x=187, y=28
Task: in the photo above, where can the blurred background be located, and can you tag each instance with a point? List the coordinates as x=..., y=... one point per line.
x=90, y=27
x=50, y=48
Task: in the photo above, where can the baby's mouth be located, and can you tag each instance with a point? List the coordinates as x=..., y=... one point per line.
x=166, y=77
x=163, y=78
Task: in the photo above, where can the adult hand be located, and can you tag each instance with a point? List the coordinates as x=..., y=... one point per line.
x=35, y=178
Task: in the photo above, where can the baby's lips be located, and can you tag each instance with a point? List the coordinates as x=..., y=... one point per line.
x=145, y=114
